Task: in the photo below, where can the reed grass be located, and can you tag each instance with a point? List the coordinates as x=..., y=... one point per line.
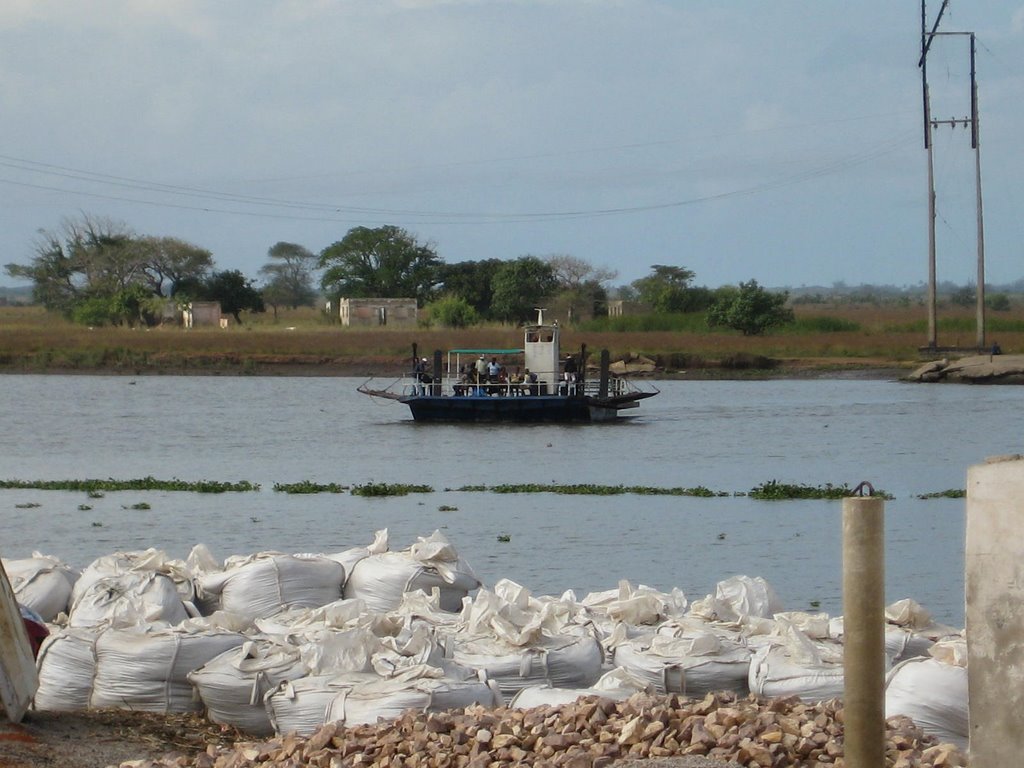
x=33, y=340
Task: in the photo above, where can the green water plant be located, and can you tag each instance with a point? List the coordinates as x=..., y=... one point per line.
x=389, y=489
x=307, y=486
x=773, y=490
x=149, y=483
x=590, y=489
x=949, y=493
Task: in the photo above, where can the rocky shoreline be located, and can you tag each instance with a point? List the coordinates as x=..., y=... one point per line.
x=976, y=369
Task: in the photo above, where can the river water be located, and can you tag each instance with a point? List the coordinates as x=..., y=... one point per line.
x=727, y=436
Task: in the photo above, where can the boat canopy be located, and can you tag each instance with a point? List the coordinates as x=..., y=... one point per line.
x=485, y=351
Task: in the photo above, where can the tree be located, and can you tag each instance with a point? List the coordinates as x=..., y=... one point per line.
x=172, y=264
x=98, y=272
x=289, y=276
x=382, y=262
x=235, y=292
x=581, y=284
x=750, y=309
x=471, y=281
x=519, y=286
x=87, y=257
x=668, y=289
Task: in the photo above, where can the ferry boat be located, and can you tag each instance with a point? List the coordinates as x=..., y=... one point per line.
x=492, y=385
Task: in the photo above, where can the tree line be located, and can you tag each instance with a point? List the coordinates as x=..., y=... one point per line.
x=98, y=272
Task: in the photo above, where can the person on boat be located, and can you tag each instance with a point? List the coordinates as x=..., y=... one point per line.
x=493, y=371
x=529, y=382
x=423, y=376
x=516, y=381
x=462, y=385
x=569, y=374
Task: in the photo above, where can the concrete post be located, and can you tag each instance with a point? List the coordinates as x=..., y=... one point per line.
x=864, y=632
x=994, y=591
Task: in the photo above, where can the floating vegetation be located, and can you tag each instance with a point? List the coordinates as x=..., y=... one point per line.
x=447, y=508
x=773, y=490
x=97, y=524
x=588, y=489
x=28, y=505
x=84, y=507
x=949, y=493
x=389, y=489
x=137, y=505
x=307, y=486
x=504, y=537
x=92, y=486
x=95, y=494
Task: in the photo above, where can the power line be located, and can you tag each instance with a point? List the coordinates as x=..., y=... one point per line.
x=344, y=213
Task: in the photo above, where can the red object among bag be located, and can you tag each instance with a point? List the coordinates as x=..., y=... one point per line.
x=35, y=626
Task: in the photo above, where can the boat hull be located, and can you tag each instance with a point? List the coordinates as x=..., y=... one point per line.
x=523, y=410
x=529, y=409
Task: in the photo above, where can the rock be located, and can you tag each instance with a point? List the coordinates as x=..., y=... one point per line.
x=644, y=731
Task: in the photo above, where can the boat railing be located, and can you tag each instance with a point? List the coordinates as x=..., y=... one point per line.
x=456, y=386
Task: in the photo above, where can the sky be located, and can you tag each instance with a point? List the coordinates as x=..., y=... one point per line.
x=780, y=141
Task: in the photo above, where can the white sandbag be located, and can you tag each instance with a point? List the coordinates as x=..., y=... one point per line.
x=67, y=666
x=567, y=661
x=148, y=670
x=693, y=663
x=232, y=685
x=129, y=598
x=520, y=640
x=42, y=583
x=302, y=706
x=636, y=606
x=147, y=561
x=431, y=563
x=349, y=557
x=900, y=643
x=934, y=695
x=795, y=665
x=738, y=597
x=617, y=684
x=263, y=584
x=200, y=562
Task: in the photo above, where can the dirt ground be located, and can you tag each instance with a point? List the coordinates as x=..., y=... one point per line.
x=101, y=738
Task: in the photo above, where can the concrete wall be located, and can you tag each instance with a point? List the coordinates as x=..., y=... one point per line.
x=373, y=312
x=203, y=313
x=994, y=591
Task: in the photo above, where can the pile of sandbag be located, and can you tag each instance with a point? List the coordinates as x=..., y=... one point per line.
x=286, y=642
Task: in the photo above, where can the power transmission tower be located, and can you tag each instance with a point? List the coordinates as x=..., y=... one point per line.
x=929, y=125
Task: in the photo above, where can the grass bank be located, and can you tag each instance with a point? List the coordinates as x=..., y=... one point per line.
x=825, y=339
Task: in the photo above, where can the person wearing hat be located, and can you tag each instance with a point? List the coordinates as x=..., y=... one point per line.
x=422, y=376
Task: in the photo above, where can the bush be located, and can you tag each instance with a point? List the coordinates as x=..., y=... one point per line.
x=751, y=309
x=95, y=312
x=453, y=312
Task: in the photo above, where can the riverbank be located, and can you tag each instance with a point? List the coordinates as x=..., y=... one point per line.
x=827, y=341
x=382, y=367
